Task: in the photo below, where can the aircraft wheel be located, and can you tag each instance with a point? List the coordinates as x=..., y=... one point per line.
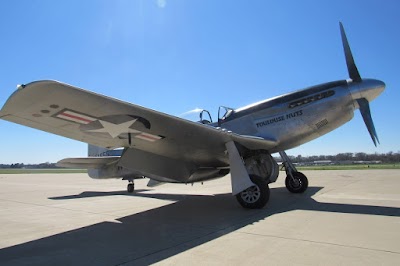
x=254, y=197
x=131, y=187
x=297, y=184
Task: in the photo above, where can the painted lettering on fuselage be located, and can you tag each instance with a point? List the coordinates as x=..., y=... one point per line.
x=271, y=121
x=278, y=119
x=294, y=114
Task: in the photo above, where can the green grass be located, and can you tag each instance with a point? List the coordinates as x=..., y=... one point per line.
x=41, y=171
x=350, y=167
x=300, y=168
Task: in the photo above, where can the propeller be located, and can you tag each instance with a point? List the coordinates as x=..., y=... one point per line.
x=351, y=66
x=363, y=103
x=366, y=114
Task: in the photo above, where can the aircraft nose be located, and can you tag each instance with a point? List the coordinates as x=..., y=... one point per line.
x=368, y=89
x=371, y=88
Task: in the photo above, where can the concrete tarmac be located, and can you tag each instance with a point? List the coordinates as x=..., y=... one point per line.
x=344, y=218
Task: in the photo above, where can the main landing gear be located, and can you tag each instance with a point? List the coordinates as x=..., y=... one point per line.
x=254, y=197
x=296, y=182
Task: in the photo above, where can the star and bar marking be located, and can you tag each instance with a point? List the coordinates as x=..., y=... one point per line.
x=75, y=117
x=114, y=130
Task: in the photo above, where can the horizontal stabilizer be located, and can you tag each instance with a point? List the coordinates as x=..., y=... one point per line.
x=88, y=162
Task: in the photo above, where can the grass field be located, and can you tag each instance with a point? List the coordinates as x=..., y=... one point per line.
x=349, y=167
x=41, y=171
x=300, y=168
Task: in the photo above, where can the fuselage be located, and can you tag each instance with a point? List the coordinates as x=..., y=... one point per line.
x=296, y=118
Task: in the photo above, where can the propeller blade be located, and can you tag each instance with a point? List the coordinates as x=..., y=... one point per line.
x=351, y=66
x=366, y=114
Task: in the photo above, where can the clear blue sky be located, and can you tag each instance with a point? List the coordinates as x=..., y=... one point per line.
x=177, y=55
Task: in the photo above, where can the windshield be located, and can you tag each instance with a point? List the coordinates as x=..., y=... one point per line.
x=224, y=112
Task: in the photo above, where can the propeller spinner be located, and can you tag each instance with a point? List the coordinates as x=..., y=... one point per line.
x=362, y=90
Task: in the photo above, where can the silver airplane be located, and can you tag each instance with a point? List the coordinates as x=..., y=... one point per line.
x=166, y=148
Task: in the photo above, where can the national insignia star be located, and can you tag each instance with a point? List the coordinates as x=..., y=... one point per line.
x=114, y=130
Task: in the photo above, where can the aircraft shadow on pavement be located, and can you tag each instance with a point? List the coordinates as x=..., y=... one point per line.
x=92, y=194
x=157, y=234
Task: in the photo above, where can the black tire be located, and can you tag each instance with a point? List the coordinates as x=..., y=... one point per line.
x=131, y=187
x=298, y=185
x=254, y=197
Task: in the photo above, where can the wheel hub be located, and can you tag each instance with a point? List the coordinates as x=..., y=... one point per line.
x=251, y=195
x=295, y=182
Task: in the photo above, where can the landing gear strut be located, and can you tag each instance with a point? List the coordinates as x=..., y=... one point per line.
x=296, y=182
x=131, y=186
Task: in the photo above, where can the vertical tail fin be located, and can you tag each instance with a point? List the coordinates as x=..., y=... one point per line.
x=107, y=170
x=95, y=151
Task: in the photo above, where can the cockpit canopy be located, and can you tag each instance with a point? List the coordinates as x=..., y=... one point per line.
x=223, y=113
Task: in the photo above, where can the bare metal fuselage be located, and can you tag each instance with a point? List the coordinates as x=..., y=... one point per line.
x=299, y=117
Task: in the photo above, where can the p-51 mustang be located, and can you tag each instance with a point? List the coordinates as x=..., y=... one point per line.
x=165, y=148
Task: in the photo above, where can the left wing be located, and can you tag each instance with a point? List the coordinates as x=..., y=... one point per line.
x=99, y=120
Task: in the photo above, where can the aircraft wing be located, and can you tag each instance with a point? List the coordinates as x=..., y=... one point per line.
x=99, y=120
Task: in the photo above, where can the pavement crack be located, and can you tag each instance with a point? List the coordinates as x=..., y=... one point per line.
x=321, y=242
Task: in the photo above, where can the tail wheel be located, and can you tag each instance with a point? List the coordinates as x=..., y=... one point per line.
x=297, y=184
x=130, y=187
x=254, y=197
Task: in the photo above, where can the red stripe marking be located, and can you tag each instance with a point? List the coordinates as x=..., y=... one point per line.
x=149, y=137
x=77, y=117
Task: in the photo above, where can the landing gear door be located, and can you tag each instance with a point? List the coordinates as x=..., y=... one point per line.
x=205, y=117
x=223, y=113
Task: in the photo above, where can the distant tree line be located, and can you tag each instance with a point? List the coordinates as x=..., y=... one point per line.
x=389, y=157
x=46, y=165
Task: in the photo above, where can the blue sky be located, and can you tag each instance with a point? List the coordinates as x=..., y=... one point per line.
x=177, y=55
